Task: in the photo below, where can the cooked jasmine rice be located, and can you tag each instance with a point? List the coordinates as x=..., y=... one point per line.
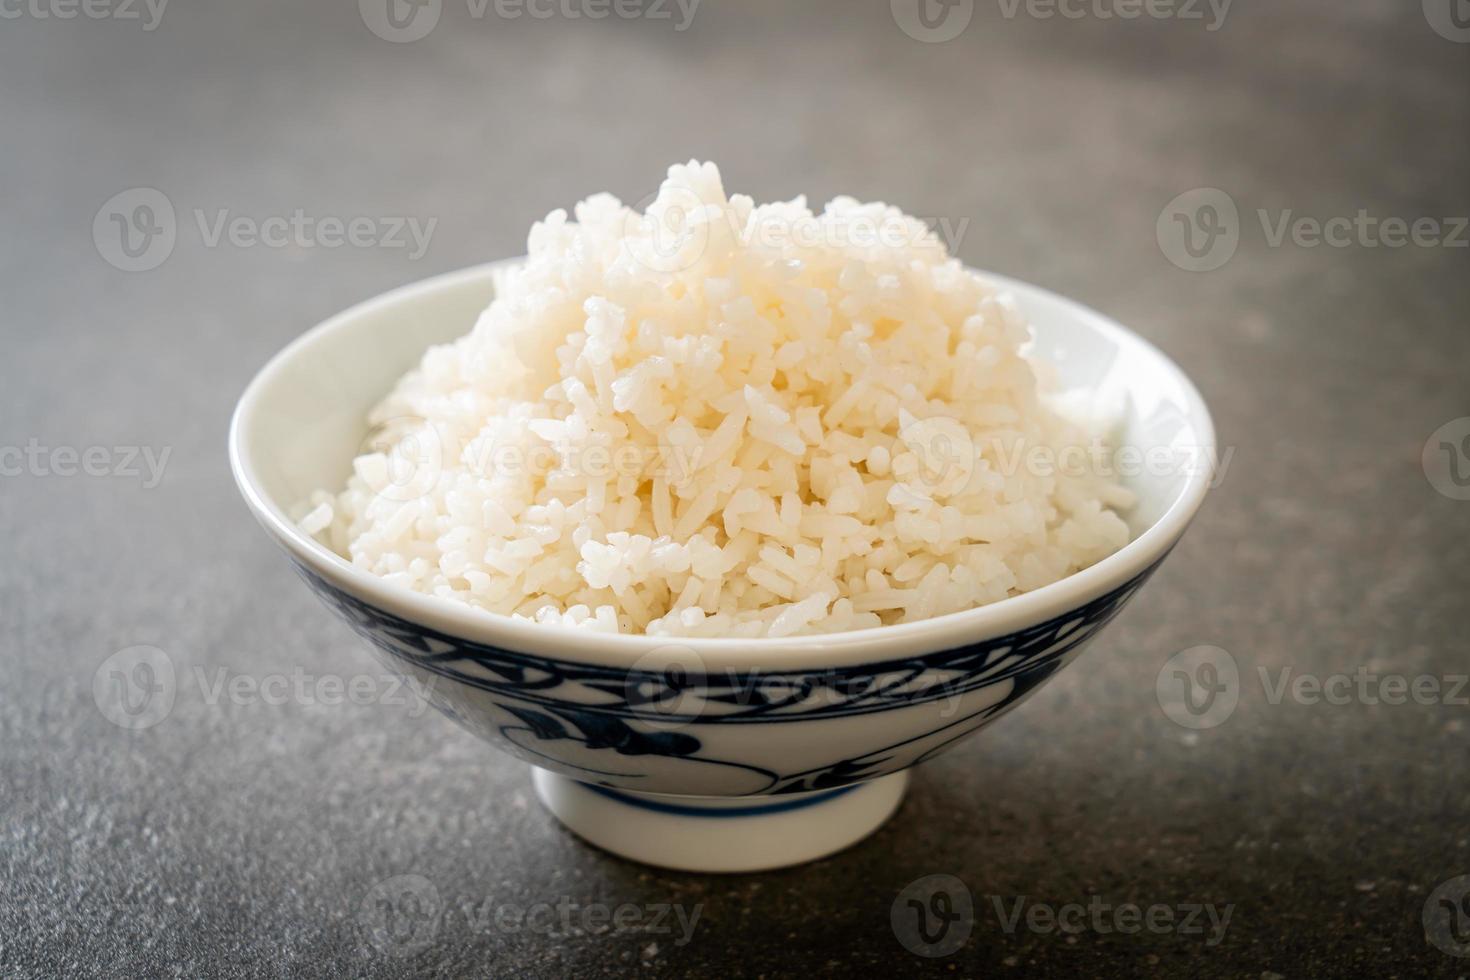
x=718, y=419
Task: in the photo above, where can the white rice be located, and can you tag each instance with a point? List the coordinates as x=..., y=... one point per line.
x=718, y=419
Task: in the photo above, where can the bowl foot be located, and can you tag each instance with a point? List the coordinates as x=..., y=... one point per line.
x=722, y=834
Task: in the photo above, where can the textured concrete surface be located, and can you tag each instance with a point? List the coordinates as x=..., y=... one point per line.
x=242, y=837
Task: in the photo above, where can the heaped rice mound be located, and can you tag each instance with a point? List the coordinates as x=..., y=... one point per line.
x=718, y=419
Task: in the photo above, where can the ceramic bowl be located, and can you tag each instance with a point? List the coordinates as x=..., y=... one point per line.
x=705, y=754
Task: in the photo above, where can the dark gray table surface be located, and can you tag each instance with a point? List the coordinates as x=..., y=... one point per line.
x=243, y=837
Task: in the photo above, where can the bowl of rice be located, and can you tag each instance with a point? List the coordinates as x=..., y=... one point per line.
x=723, y=516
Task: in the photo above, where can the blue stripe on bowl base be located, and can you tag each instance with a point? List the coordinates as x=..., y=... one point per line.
x=682, y=810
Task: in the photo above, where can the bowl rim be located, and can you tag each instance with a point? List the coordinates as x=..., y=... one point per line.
x=944, y=632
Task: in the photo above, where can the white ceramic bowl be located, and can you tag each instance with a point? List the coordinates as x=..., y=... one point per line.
x=704, y=754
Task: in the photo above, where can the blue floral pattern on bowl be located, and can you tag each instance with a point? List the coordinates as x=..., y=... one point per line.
x=675, y=731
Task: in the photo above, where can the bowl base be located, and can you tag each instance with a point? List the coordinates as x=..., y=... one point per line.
x=721, y=834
